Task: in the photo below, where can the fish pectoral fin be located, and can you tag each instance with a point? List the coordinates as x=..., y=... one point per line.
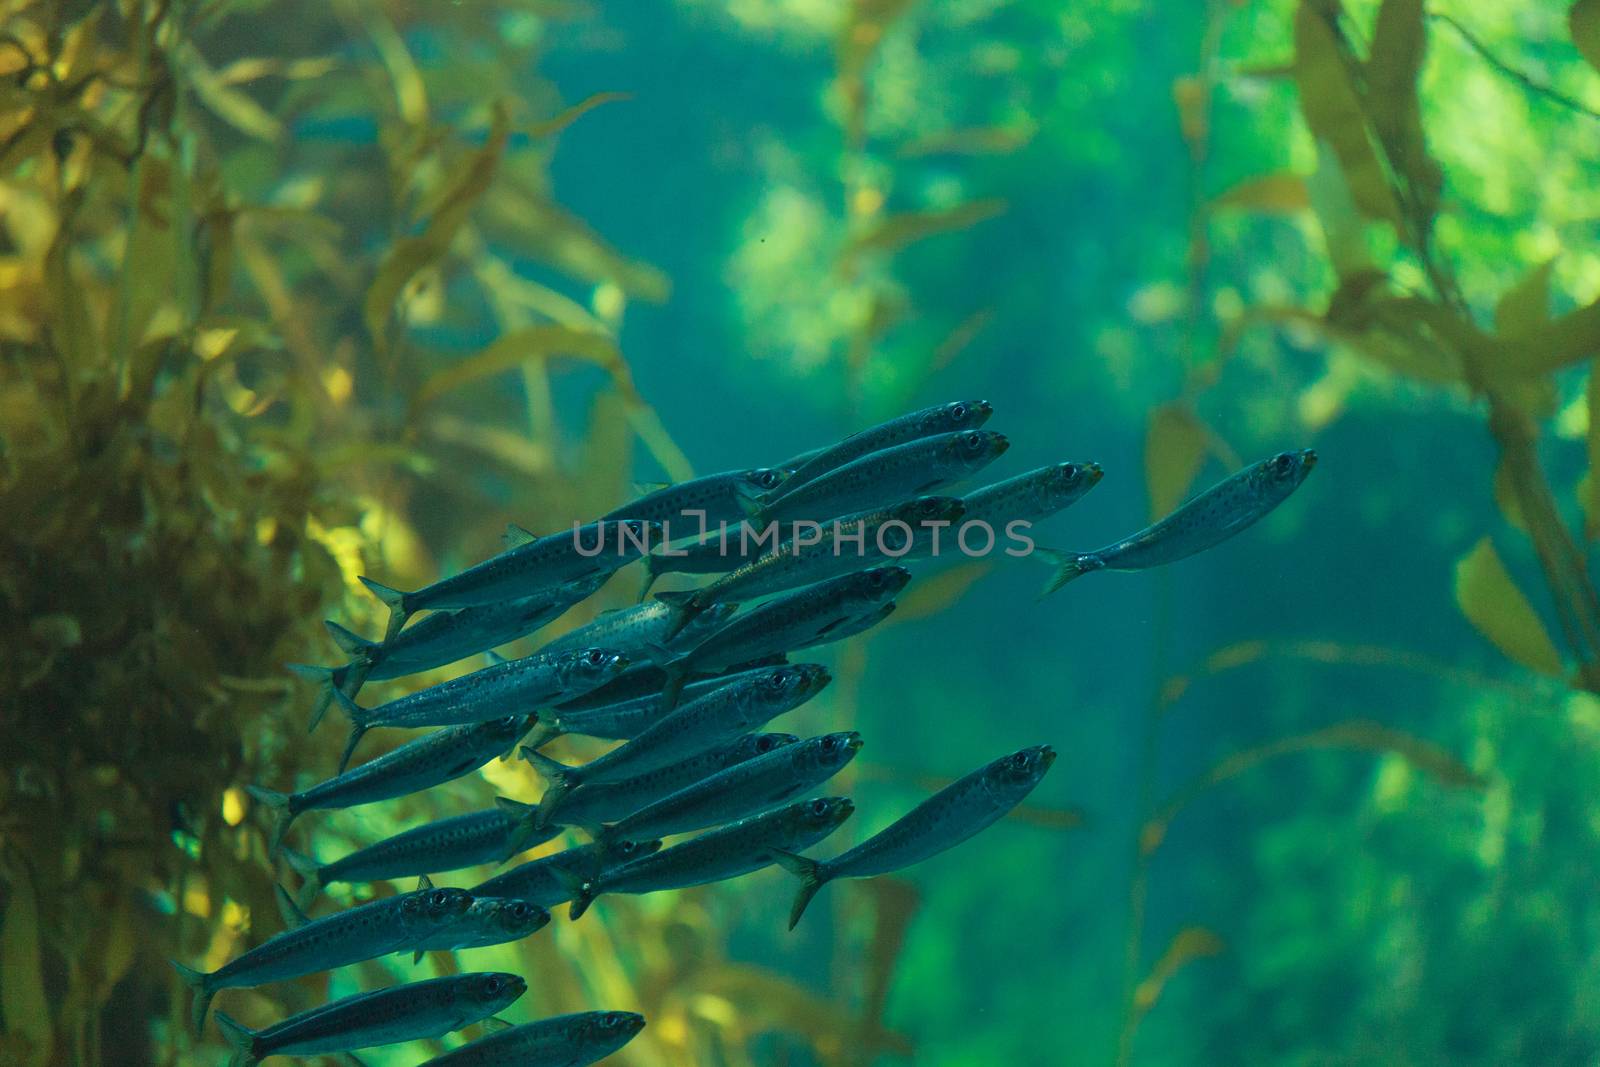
x=494, y=1024
x=494, y=659
x=354, y=1060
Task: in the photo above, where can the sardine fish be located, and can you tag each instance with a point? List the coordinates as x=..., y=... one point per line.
x=941, y=822
x=441, y=756
x=414, y=1012
x=1205, y=521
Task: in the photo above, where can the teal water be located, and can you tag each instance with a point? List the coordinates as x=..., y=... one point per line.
x=303, y=310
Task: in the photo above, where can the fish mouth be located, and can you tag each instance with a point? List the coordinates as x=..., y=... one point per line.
x=516, y=985
x=1047, y=756
x=844, y=809
x=1308, y=458
x=999, y=445
x=632, y=1025
x=853, y=742
x=816, y=679
x=1093, y=472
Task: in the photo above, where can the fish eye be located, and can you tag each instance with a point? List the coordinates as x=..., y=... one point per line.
x=1020, y=760
x=521, y=909
x=958, y=412
x=494, y=985
x=763, y=744
x=595, y=657
x=1282, y=463
x=614, y=1019
x=508, y=722
x=829, y=744
x=818, y=807
x=439, y=898
x=409, y=906
x=1069, y=471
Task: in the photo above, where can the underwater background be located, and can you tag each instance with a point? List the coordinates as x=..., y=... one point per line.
x=294, y=292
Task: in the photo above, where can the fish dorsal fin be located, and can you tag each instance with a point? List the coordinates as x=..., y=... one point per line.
x=293, y=917
x=495, y=658
x=650, y=487
x=424, y=882
x=517, y=536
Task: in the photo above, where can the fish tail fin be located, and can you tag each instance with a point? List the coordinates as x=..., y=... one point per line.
x=524, y=826
x=677, y=676
x=652, y=571
x=309, y=870
x=324, y=677
x=754, y=505
x=583, y=890
x=812, y=878
x=351, y=643
x=544, y=731
x=559, y=781
x=240, y=1037
x=282, y=813
x=359, y=725
x=1068, y=565
x=685, y=605
x=396, y=602
x=199, y=982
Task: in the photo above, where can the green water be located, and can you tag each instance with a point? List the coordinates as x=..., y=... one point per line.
x=1324, y=794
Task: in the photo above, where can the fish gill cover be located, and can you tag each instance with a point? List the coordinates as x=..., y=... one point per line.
x=287, y=299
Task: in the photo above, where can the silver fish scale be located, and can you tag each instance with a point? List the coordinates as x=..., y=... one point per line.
x=439, y=757
x=728, y=852
x=367, y=1017
x=282, y=956
x=445, y=845
x=603, y=802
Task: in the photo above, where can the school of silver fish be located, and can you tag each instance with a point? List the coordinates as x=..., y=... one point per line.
x=684, y=682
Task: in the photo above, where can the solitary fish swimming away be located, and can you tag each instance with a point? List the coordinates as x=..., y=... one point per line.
x=939, y=419
x=726, y=852
x=1029, y=497
x=565, y=1041
x=1203, y=522
x=690, y=729
x=434, y=848
x=414, y=1012
x=514, y=685
x=712, y=499
x=941, y=822
x=540, y=564
x=747, y=788
x=840, y=546
x=439, y=757
x=898, y=473
x=439, y=639
x=364, y=932
x=546, y=881
x=602, y=802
